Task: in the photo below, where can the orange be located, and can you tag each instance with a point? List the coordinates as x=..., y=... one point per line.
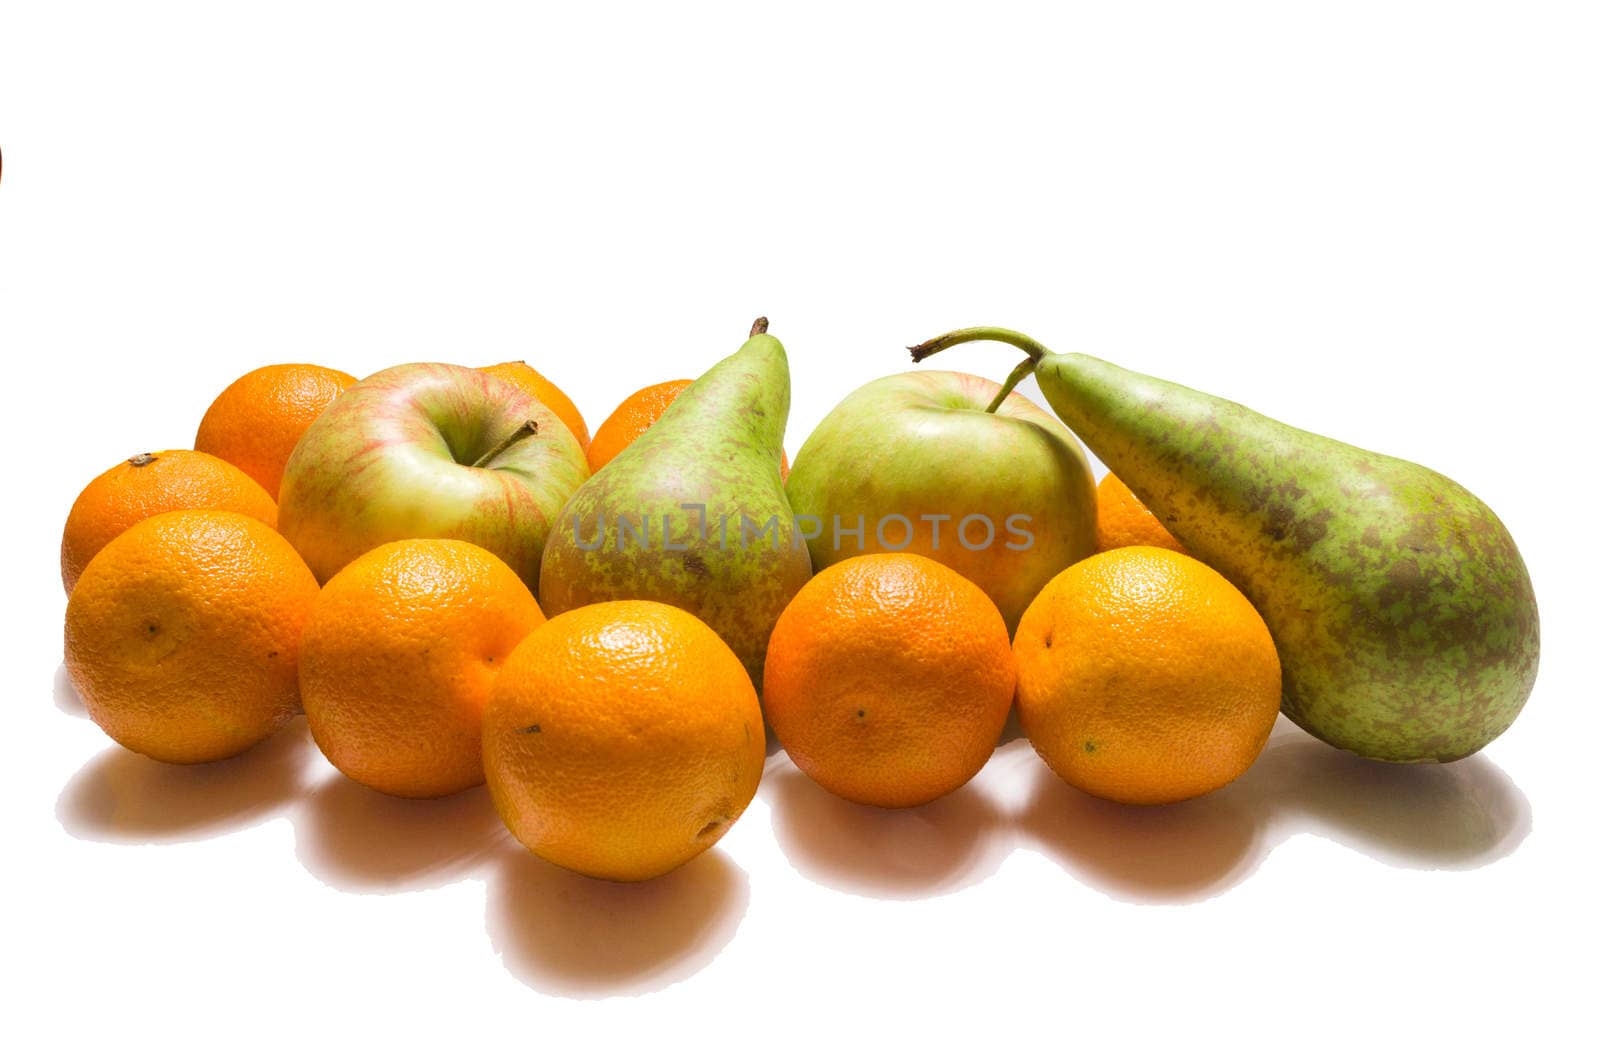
x=637, y=413
x=622, y=739
x=151, y=483
x=184, y=631
x=258, y=419
x=539, y=387
x=403, y=646
x=888, y=679
x=1145, y=677
x=1123, y=520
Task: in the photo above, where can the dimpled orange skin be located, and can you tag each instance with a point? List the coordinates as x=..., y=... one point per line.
x=151, y=483
x=1145, y=677
x=539, y=387
x=637, y=413
x=1123, y=520
x=183, y=635
x=889, y=678
x=403, y=646
x=258, y=419
x=622, y=739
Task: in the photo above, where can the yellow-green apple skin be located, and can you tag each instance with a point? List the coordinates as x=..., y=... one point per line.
x=920, y=446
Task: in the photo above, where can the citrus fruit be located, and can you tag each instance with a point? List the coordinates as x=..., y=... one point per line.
x=1123, y=520
x=888, y=679
x=1145, y=677
x=402, y=648
x=622, y=739
x=146, y=484
x=258, y=419
x=183, y=634
x=637, y=413
x=539, y=387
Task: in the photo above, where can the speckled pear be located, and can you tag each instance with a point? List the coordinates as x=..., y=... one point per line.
x=1401, y=609
x=693, y=512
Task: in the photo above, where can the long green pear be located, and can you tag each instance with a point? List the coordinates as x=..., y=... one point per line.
x=1402, y=611
x=693, y=512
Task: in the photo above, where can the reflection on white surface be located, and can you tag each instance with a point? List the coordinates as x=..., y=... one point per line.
x=554, y=930
x=568, y=935
x=1457, y=816
x=120, y=796
x=948, y=844
x=363, y=841
x=65, y=696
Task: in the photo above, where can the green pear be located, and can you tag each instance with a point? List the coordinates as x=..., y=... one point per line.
x=693, y=512
x=1402, y=611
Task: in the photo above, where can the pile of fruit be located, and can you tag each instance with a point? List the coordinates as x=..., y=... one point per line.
x=456, y=585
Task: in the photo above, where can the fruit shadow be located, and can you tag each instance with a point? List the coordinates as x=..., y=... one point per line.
x=119, y=796
x=363, y=841
x=568, y=935
x=65, y=696
x=1456, y=816
x=556, y=931
x=950, y=843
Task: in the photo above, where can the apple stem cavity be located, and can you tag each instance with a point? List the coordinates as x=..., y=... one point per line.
x=522, y=432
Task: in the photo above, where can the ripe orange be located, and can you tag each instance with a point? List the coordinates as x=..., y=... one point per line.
x=183, y=634
x=258, y=419
x=1123, y=520
x=539, y=387
x=1145, y=677
x=402, y=648
x=888, y=679
x=637, y=413
x=145, y=485
x=622, y=739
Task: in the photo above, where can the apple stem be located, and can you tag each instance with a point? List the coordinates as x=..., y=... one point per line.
x=1023, y=369
x=759, y=326
x=1035, y=350
x=522, y=432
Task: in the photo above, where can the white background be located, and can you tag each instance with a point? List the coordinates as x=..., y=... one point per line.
x=1374, y=220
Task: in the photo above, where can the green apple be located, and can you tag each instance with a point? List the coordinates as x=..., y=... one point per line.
x=428, y=450
x=916, y=463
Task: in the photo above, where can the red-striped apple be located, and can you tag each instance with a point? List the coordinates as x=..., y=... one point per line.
x=429, y=450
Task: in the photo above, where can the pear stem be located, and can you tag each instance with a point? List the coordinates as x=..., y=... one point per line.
x=521, y=432
x=1033, y=348
x=1023, y=369
x=759, y=326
